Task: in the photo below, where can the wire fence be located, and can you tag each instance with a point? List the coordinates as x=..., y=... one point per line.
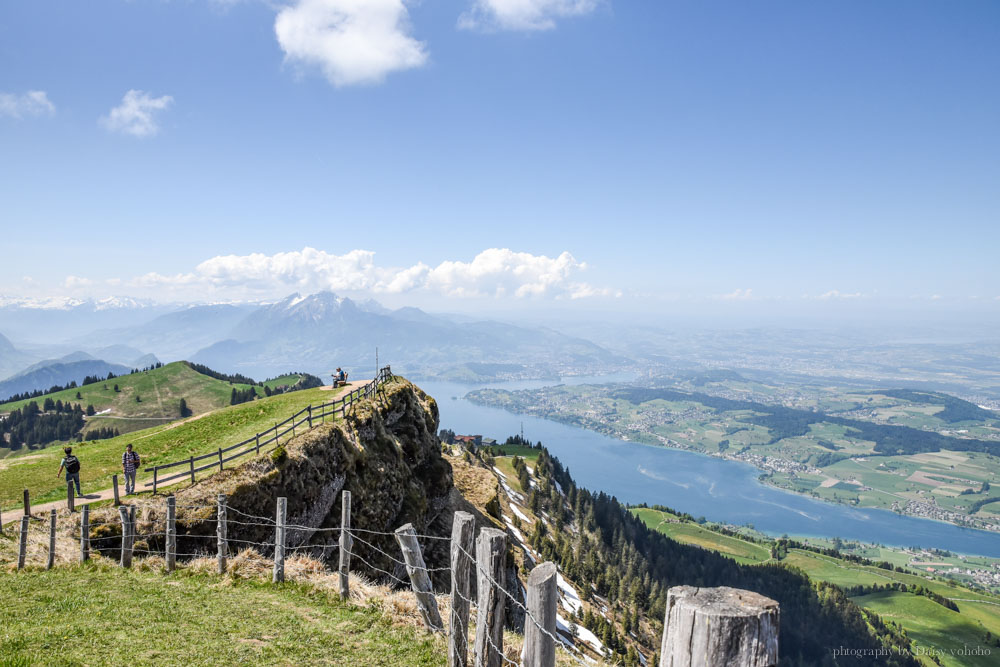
x=268, y=439
x=154, y=535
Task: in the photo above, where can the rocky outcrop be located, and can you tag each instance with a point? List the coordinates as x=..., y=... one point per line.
x=385, y=452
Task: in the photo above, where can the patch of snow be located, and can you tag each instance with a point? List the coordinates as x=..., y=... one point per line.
x=520, y=515
x=568, y=596
x=102, y=412
x=499, y=472
x=517, y=533
x=531, y=471
x=582, y=633
x=558, y=487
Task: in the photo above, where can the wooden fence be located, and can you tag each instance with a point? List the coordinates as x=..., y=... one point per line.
x=306, y=416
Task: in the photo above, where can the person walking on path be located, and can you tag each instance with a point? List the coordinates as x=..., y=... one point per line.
x=130, y=462
x=72, y=466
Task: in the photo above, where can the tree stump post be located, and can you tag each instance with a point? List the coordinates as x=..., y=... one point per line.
x=85, y=533
x=421, y=582
x=52, y=540
x=719, y=626
x=221, y=529
x=22, y=545
x=491, y=552
x=540, y=625
x=171, y=555
x=126, y=556
x=346, y=544
x=463, y=538
x=279, y=541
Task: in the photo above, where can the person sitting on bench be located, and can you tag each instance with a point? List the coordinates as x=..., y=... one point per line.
x=340, y=379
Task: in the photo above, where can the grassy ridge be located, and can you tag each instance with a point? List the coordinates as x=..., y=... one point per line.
x=88, y=615
x=102, y=458
x=689, y=533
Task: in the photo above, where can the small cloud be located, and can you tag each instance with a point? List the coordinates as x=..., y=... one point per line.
x=136, y=114
x=936, y=297
x=75, y=282
x=837, y=294
x=738, y=295
x=31, y=103
x=352, y=41
x=522, y=15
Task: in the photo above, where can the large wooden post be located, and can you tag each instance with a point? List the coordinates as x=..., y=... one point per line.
x=22, y=545
x=84, y=533
x=415, y=567
x=279, y=541
x=52, y=540
x=126, y=556
x=463, y=537
x=171, y=555
x=221, y=530
x=70, y=497
x=540, y=625
x=719, y=626
x=491, y=552
x=346, y=544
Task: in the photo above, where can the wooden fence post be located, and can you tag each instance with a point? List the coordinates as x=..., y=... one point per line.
x=70, y=497
x=22, y=545
x=279, y=541
x=191, y=464
x=52, y=539
x=85, y=534
x=346, y=544
x=540, y=625
x=126, y=555
x=309, y=415
x=220, y=459
x=719, y=626
x=463, y=538
x=171, y=556
x=156, y=471
x=257, y=440
x=415, y=567
x=491, y=552
x=114, y=483
x=27, y=503
x=221, y=530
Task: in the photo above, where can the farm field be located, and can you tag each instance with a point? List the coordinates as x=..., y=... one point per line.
x=100, y=614
x=100, y=459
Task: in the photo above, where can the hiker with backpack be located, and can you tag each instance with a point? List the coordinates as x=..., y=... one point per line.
x=72, y=466
x=130, y=462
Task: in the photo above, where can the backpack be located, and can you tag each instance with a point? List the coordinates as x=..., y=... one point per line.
x=72, y=464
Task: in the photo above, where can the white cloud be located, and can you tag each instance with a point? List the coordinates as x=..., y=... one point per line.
x=738, y=295
x=836, y=294
x=136, y=115
x=522, y=14
x=493, y=273
x=352, y=41
x=31, y=103
x=74, y=282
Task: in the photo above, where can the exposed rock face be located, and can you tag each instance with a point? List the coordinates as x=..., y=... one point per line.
x=386, y=453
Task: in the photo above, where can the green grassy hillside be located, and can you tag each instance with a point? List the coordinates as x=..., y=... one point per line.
x=159, y=392
x=691, y=533
x=163, y=444
x=102, y=615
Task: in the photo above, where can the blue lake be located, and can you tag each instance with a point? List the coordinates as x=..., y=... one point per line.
x=700, y=485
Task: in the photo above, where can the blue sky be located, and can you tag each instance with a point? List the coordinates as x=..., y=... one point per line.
x=499, y=153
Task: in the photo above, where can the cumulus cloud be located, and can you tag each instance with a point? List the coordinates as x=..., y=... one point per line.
x=31, y=103
x=525, y=15
x=351, y=41
x=493, y=273
x=136, y=115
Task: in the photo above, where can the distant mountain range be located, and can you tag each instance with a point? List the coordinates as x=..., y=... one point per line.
x=73, y=367
x=314, y=333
